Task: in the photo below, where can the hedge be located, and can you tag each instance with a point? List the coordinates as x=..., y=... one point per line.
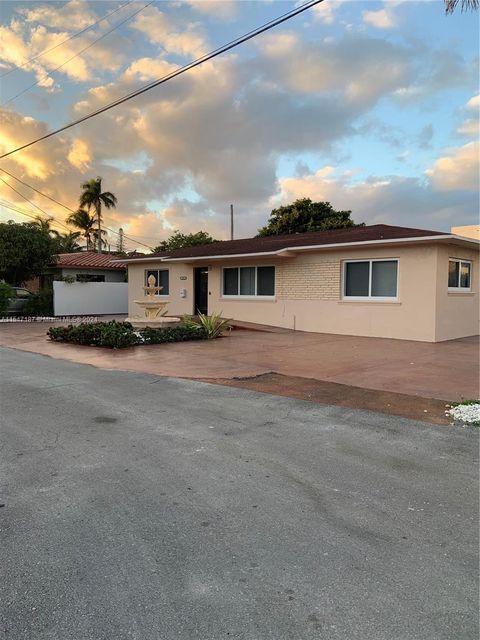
x=117, y=335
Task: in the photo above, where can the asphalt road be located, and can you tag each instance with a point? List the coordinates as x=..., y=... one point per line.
x=162, y=509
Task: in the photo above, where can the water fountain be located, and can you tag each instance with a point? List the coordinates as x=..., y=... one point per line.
x=155, y=308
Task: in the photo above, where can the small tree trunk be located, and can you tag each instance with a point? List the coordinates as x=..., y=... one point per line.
x=99, y=228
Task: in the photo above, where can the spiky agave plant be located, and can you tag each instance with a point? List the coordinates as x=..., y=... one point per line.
x=213, y=326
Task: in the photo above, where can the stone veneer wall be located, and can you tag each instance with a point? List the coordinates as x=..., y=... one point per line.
x=309, y=281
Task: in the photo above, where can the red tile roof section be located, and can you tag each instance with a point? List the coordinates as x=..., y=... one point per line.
x=276, y=243
x=89, y=260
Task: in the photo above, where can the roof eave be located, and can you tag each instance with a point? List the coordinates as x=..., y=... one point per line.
x=288, y=251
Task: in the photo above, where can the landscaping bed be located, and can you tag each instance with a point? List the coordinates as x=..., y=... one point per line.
x=118, y=335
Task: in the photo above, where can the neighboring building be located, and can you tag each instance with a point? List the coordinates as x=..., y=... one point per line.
x=89, y=266
x=468, y=231
x=380, y=280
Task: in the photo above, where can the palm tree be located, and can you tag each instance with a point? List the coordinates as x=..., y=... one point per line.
x=451, y=5
x=93, y=197
x=95, y=238
x=67, y=243
x=82, y=220
x=44, y=225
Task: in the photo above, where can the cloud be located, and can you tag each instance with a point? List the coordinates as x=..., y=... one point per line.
x=399, y=200
x=183, y=39
x=474, y=103
x=79, y=154
x=358, y=68
x=74, y=13
x=19, y=42
x=326, y=11
x=178, y=155
x=458, y=170
x=217, y=9
x=381, y=19
x=471, y=126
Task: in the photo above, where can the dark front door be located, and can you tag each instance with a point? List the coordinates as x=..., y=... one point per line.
x=201, y=290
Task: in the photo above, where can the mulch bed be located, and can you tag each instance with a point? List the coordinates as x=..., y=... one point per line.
x=342, y=395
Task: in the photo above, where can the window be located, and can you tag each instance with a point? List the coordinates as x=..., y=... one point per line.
x=249, y=281
x=459, y=274
x=89, y=277
x=22, y=293
x=161, y=280
x=370, y=279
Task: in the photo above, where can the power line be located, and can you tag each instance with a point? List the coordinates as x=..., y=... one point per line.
x=28, y=214
x=30, y=202
x=47, y=75
x=234, y=43
x=36, y=217
x=18, y=210
x=131, y=238
x=75, y=35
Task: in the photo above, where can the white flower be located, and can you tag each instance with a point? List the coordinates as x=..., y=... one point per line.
x=466, y=413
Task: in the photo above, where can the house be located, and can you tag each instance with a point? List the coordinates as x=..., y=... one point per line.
x=467, y=231
x=379, y=280
x=88, y=266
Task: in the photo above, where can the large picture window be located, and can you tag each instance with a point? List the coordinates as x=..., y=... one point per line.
x=161, y=280
x=249, y=282
x=459, y=275
x=370, y=279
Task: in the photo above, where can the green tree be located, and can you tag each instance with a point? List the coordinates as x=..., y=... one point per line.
x=304, y=215
x=25, y=251
x=179, y=240
x=82, y=220
x=93, y=197
x=67, y=242
x=6, y=292
x=44, y=225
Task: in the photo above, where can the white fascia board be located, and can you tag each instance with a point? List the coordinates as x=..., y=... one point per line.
x=136, y=260
x=225, y=256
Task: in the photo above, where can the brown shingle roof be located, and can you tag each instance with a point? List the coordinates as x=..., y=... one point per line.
x=89, y=260
x=277, y=243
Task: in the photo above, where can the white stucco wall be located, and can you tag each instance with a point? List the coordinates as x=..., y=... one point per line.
x=90, y=298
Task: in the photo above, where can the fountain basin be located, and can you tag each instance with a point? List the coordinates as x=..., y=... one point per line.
x=161, y=322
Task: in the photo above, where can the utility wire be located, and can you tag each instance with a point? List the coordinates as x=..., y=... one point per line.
x=75, y=35
x=47, y=75
x=29, y=201
x=234, y=43
x=33, y=216
x=131, y=238
x=18, y=210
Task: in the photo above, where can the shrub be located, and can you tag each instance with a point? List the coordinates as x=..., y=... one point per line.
x=213, y=326
x=179, y=333
x=40, y=304
x=99, y=334
x=6, y=292
x=117, y=335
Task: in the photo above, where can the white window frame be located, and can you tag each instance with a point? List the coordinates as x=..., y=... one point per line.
x=249, y=297
x=369, y=298
x=459, y=289
x=159, y=293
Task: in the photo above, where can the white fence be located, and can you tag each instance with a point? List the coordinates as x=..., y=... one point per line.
x=90, y=298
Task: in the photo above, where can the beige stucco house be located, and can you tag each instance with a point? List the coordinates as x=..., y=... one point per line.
x=380, y=280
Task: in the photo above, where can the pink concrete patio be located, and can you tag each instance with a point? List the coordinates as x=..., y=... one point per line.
x=444, y=370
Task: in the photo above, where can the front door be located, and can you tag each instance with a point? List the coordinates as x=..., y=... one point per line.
x=201, y=290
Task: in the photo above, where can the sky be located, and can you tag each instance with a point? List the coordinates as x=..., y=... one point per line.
x=372, y=106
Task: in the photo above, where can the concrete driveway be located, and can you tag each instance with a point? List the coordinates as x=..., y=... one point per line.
x=152, y=508
x=447, y=371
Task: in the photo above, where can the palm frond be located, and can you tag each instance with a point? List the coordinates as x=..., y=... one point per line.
x=466, y=5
